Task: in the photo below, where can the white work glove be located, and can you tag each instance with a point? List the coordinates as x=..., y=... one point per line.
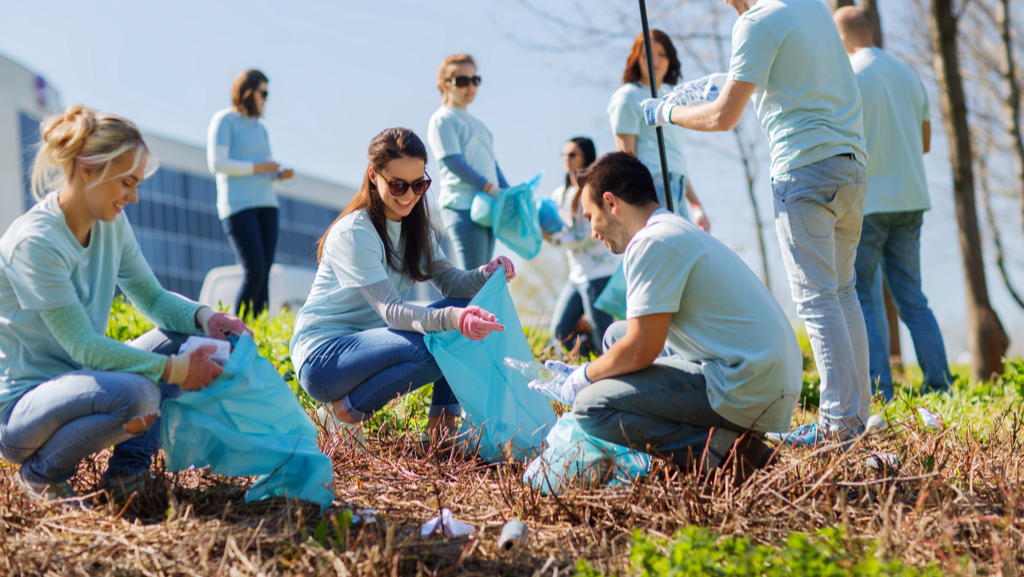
x=565, y=391
x=658, y=111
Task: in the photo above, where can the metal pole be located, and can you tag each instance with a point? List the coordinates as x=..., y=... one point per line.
x=654, y=94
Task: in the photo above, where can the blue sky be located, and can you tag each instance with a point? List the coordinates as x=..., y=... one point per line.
x=342, y=71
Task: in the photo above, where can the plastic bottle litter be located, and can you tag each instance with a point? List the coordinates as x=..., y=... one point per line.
x=879, y=461
x=513, y=534
x=535, y=371
x=450, y=526
x=704, y=89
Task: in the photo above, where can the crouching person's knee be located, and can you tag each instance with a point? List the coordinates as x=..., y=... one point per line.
x=143, y=407
x=591, y=410
x=614, y=332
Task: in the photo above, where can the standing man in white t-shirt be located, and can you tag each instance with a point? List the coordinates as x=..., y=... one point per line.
x=788, y=58
x=898, y=129
x=706, y=353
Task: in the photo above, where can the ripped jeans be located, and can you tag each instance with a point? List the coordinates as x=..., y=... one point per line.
x=61, y=421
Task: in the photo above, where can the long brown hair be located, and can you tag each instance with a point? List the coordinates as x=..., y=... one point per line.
x=417, y=257
x=633, y=63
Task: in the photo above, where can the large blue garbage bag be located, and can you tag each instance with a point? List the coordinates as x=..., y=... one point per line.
x=515, y=221
x=612, y=299
x=572, y=453
x=500, y=406
x=248, y=422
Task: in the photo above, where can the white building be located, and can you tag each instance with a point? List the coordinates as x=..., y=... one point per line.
x=176, y=221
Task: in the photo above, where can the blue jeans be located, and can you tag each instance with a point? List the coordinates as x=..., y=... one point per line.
x=369, y=369
x=472, y=244
x=818, y=217
x=60, y=422
x=663, y=409
x=253, y=236
x=678, y=182
x=575, y=301
x=894, y=239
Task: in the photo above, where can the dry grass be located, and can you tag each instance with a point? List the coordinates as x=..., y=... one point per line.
x=955, y=500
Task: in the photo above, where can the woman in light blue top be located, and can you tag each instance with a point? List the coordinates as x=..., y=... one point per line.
x=66, y=390
x=632, y=134
x=465, y=154
x=591, y=263
x=238, y=153
x=357, y=344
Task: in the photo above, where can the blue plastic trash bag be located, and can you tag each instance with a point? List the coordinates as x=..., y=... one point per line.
x=249, y=422
x=515, y=219
x=547, y=214
x=572, y=453
x=495, y=397
x=482, y=209
x=612, y=299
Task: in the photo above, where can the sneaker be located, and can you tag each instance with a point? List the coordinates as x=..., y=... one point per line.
x=349, y=433
x=62, y=492
x=120, y=488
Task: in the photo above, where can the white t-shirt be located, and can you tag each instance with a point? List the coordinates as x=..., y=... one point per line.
x=455, y=131
x=589, y=259
x=723, y=318
x=627, y=117
x=353, y=257
x=43, y=267
x=895, y=107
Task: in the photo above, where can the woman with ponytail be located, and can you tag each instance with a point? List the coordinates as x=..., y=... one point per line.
x=66, y=390
x=357, y=345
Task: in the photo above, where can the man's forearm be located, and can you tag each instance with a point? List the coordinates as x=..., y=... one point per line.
x=703, y=117
x=622, y=358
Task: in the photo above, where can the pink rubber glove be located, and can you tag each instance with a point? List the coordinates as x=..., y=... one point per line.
x=475, y=323
x=501, y=261
x=220, y=325
x=194, y=369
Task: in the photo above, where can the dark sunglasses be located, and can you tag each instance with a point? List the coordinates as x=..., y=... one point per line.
x=264, y=93
x=464, y=81
x=570, y=155
x=398, y=187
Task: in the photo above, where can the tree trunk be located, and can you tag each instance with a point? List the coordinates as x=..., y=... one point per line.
x=986, y=338
x=870, y=8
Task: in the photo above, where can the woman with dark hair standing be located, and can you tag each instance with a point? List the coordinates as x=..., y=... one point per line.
x=238, y=153
x=632, y=134
x=357, y=344
x=591, y=263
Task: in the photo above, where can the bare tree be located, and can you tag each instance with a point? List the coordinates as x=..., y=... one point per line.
x=986, y=338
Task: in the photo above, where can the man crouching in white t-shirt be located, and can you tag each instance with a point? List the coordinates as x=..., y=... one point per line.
x=706, y=353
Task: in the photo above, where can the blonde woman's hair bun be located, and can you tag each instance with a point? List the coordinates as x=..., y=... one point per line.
x=81, y=136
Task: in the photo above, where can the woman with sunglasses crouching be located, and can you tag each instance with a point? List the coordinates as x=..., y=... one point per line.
x=238, y=153
x=465, y=154
x=357, y=345
x=66, y=390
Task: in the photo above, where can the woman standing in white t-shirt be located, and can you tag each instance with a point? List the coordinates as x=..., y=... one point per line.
x=357, y=344
x=632, y=134
x=464, y=150
x=591, y=263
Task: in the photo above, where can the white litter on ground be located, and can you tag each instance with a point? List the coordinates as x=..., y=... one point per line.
x=451, y=526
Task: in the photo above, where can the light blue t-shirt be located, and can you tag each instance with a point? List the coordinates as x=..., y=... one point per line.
x=43, y=267
x=723, y=318
x=807, y=97
x=627, y=117
x=247, y=140
x=455, y=131
x=895, y=106
x=353, y=257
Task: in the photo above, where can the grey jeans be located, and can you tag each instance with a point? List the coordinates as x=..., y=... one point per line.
x=818, y=217
x=58, y=423
x=662, y=409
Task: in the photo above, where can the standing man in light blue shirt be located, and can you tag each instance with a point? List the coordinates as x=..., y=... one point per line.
x=706, y=353
x=788, y=59
x=898, y=129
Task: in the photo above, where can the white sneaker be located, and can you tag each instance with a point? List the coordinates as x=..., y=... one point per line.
x=349, y=433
